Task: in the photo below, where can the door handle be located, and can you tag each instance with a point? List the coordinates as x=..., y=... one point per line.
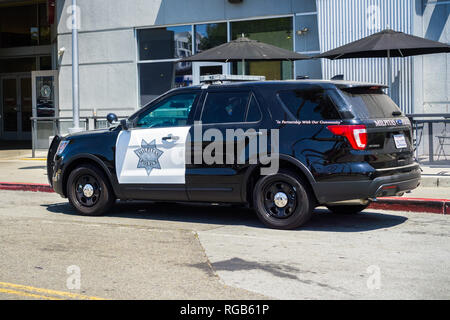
x=171, y=137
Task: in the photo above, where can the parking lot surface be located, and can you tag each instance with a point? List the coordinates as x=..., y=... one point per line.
x=179, y=251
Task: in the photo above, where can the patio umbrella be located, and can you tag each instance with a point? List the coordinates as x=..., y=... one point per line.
x=244, y=49
x=387, y=43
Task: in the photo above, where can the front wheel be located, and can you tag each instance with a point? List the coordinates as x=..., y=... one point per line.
x=283, y=200
x=89, y=190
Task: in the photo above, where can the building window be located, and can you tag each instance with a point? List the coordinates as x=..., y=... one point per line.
x=165, y=43
x=159, y=50
x=210, y=35
x=277, y=32
x=18, y=65
x=22, y=26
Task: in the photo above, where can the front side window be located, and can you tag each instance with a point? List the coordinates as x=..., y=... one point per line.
x=309, y=104
x=170, y=112
x=225, y=107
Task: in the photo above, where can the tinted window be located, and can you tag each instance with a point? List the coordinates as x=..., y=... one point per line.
x=225, y=107
x=369, y=104
x=309, y=104
x=165, y=43
x=253, y=113
x=170, y=112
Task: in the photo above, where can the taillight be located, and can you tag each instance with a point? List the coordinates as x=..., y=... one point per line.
x=355, y=134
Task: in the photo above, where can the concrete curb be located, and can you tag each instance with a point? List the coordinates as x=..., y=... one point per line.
x=439, y=206
x=18, y=186
x=435, y=181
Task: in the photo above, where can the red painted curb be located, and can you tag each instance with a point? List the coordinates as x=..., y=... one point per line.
x=34, y=187
x=439, y=206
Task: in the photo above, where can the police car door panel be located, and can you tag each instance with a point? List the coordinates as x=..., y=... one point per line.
x=146, y=156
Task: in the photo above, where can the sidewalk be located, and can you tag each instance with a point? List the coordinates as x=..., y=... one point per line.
x=18, y=171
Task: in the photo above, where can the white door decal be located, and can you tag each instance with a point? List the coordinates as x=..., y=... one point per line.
x=152, y=155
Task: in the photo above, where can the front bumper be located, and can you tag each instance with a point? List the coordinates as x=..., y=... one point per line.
x=57, y=181
x=389, y=185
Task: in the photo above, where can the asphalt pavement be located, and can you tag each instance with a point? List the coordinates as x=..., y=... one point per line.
x=178, y=251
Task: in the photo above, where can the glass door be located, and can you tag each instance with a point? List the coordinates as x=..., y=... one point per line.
x=16, y=108
x=9, y=108
x=25, y=107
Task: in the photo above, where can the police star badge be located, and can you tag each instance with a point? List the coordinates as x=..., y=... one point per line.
x=148, y=156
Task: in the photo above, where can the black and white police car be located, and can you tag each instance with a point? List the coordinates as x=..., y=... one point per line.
x=280, y=147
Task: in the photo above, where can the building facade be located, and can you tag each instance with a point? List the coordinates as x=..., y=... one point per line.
x=128, y=49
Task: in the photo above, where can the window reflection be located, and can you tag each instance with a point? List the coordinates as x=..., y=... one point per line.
x=160, y=49
x=277, y=32
x=159, y=77
x=24, y=25
x=165, y=43
x=210, y=35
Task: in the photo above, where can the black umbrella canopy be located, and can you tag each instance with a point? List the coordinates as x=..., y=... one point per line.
x=245, y=49
x=387, y=43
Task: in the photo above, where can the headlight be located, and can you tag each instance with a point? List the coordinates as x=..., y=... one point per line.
x=62, y=145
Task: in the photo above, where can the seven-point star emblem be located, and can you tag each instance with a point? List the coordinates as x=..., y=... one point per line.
x=148, y=156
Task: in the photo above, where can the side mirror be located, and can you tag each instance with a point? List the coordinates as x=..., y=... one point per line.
x=124, y=124
x=111, y=118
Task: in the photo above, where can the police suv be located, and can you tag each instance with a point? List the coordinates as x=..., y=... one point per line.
x=280, y=147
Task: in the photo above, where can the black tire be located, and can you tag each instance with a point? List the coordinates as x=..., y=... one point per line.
x=347, y=209
x=102, y=195
x=300, y=201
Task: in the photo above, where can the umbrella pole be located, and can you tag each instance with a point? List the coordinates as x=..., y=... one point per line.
x=243, y=67
x=389, y=72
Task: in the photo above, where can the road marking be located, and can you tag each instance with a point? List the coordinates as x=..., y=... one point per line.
x=46, y=293
x=26, y=294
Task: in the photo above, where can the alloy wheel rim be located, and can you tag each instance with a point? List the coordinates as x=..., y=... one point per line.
x=280, y=199
x=87, y=190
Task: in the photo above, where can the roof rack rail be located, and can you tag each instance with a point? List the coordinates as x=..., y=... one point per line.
x=226, y=78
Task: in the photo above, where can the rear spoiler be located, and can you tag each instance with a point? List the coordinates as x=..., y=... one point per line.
x=363, y=88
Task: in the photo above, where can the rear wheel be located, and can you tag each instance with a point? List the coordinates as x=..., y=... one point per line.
x=282, y=200
x=89, y=190
x=348, y=209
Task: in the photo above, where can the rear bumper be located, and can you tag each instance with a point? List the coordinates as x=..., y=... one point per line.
x=383, y=186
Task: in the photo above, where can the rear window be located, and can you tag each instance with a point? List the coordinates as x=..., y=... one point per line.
x=369, y=104
x=309, y=104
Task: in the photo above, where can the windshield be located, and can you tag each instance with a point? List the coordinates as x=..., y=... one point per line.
x=369, y=104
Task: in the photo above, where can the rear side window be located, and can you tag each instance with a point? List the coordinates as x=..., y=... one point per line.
x=225, y=107
x=369, y=104
x=312, y=104
x=253, y=113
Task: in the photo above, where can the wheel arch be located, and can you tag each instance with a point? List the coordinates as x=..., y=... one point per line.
x=87, y=159
x=285, y=162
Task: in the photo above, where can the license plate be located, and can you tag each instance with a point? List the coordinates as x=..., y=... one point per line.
x=400, y=141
